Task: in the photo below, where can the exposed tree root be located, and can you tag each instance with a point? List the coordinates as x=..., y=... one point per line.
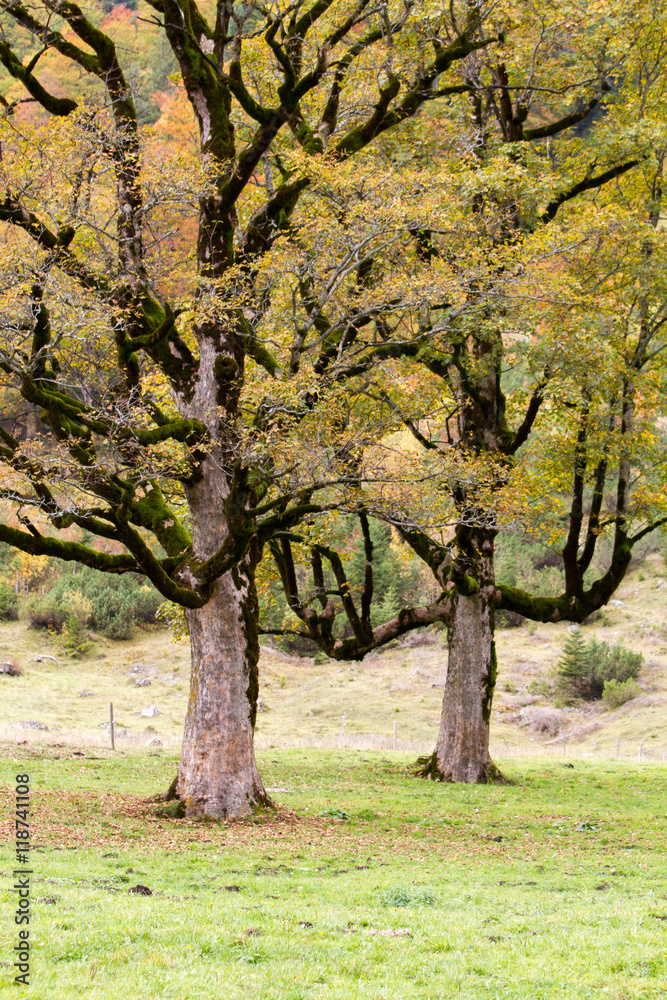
x=428, y=767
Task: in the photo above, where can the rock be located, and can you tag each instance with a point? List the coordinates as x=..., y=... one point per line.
x=30, y=725
x=573, y=629
x=142, y=682
x=440, y=682
x=150, y=712
x=118, y=730
x=86, y=694
x=155, y=743
x=617, y=604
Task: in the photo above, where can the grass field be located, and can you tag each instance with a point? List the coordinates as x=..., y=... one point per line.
x=367, y=883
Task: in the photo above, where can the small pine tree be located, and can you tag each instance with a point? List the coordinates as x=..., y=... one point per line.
x=574, y=668
x=388, y=607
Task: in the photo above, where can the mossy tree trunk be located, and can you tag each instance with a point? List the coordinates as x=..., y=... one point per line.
x=462, y=749
x=218, y=775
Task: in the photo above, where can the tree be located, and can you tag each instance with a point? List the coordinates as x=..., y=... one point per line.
x=574, y=664
x=575, y=440
x=142, y=354
x=543, y=373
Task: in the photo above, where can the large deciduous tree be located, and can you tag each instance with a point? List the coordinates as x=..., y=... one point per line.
x=541, y=354
x=134, y=298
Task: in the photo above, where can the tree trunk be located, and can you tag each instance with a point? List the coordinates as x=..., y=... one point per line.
x=218, y=775
x=462, y=750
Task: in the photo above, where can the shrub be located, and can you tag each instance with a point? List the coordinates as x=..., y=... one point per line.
x=9, y=603
x=616, y=693
x=574, y=669
x=47, y=612
x=584, y=668
x=115, y=604
x=616, y=663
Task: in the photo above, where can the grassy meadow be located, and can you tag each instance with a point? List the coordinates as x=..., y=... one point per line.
x=367, y=882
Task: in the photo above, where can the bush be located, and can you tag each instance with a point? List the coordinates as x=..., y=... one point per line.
x=114, y=604
x=584, y=668
x=47, y=613
x=616, y=663
x=9, y=603
x=616, y=693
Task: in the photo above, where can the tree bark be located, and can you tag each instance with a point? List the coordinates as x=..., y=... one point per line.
x=218, y=775
x=462, y=750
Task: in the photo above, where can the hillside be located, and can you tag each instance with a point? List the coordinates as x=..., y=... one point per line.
x=302, y=703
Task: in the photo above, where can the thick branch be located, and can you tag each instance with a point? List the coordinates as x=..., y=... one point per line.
x=588, y=184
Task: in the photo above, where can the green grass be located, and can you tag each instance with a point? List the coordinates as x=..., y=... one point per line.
x=493, y=892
